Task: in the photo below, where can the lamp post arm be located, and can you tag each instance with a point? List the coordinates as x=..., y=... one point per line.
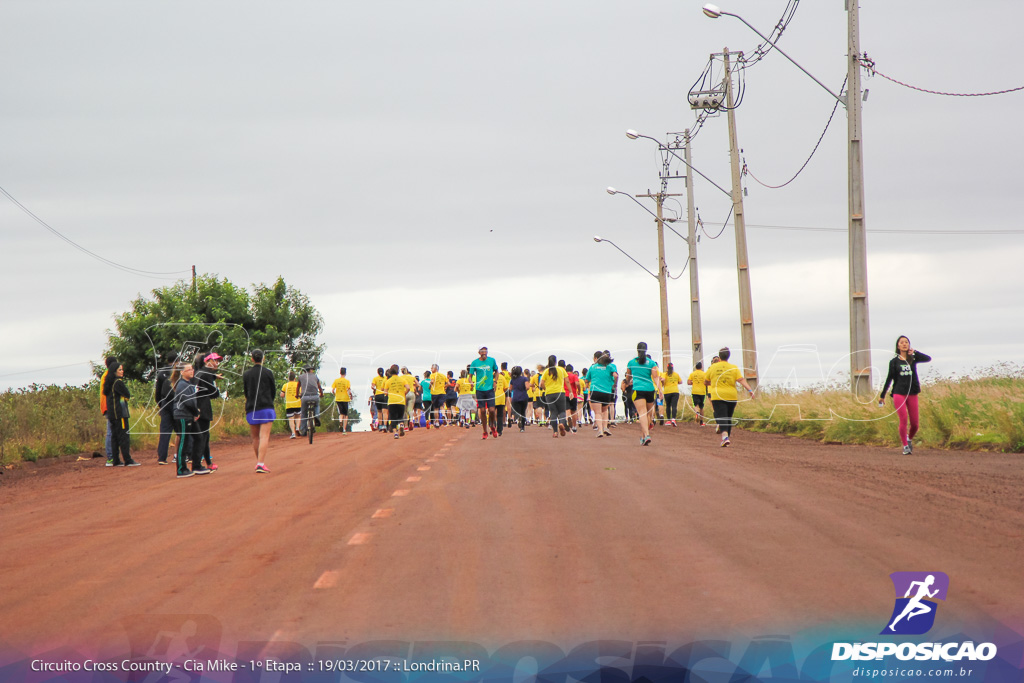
x=631, y=258
x=671, y=151
x=765, y=39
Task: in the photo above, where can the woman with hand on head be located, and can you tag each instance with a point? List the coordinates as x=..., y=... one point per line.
x=905, y=388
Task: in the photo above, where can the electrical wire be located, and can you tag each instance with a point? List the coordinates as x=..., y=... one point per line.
x=128, y=269
x=869, y=64
x=700, y=224
x=746, y=169
x=889, y=231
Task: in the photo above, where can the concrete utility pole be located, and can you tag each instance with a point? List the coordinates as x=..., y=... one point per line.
x=860, y=332
x=666, y=342
x=739, y=223
x=691, y=234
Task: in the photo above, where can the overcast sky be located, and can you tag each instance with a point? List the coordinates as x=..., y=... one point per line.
x=432, y=173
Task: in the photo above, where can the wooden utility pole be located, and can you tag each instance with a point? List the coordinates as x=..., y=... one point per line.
x=666, y=342
x=691, y=238
x=742, y=267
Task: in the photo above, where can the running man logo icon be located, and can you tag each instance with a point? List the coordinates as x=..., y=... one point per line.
x=914, y=613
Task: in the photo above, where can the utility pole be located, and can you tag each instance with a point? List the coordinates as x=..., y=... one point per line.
x=739, y=223
x=193, y=279
x=691, y=235
x=666, y=343
x=860, y=332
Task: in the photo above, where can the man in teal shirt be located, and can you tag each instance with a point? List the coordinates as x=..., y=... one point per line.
x=485, y=368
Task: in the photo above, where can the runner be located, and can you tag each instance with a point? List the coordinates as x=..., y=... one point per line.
x=292, y=404
x=603, y=377
x=905, y=388
x=310, y=392
x=258, y=386
x=451, y=398
x=531, y=388
x=697, y=381
x=186, y=414
x=539, y=406
x=670, y=380
x=426, y=400
x=484, y=369
x=519, y=385
x=613, y=406
x=587, y=413
x=722, y=378
x=552, y=382
x=410, y=398
x=572, y=393
x=117, y=416
x=501, y=399
x=646, y=382
x=342, y=389
x=438, y=387
x=464, y=388
x=380, y=400
x=397, y=388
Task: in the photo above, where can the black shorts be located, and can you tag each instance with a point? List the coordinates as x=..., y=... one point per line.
x=602, y=398
x=418, y=404
x=485, y=398
x=449, y=401
x=573, y=402
x=293, y=412
x=396, y=412
x=644, y=396
x=381, y=401
x=698, y=400
x=342, y=407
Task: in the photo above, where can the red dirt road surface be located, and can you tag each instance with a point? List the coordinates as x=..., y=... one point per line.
x=442, y=536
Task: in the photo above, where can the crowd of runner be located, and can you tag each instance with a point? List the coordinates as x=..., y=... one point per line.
x=493, y=398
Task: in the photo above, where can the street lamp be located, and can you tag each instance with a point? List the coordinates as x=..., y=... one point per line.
x=860, y=333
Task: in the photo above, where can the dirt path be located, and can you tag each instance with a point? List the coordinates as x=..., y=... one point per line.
x=442, y=536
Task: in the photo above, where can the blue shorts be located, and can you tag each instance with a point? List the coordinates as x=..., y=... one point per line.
x=259, y=417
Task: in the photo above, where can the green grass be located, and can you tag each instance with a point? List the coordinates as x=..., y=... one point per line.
x=984, y=412
x=45, y=421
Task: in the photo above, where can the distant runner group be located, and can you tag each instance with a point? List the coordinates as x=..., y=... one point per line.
x=484, y=394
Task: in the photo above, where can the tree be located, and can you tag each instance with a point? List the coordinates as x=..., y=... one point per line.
x=216, y=316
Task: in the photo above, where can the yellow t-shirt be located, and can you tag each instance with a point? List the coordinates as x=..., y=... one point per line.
x=464, y=385
x=531, y=390
x=500, y=386
x=670, y=382
x=290, y=401
x=697, y=377
x=410, y=382
x=396, y=388
x=378, y=385
x=553, y=385
x=341, y=387
x=438, y=383
x=723, y=377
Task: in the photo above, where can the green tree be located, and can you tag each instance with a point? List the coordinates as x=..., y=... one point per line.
x=216, y=316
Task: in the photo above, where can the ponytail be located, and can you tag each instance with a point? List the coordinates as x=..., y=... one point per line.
x=553, y=367
x=641, y=353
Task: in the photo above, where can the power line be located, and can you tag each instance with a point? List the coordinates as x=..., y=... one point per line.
x=79, y=247
x=892, y=231
x=869, y=64
x=746, y=169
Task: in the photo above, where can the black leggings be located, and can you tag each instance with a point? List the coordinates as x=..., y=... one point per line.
x=723, y=415
x=500, y=419
x=554, y=405
x=519, y=412
x=120, y=442
x=671, y=405
x=396, y=416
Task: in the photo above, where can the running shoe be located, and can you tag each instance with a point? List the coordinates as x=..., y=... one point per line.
x=110, y=462
x=262, y=469
x=521, y=430
x=162, y=462
x=725, y=440
x=202, y=470
x=647, y=441
x=133, y=463
x=292, y=436
x=401, y=430
x=573, y=430
x=184, y=475
x=396, y=435
x=672, y=422
x=485, y=435
x=561, y=430
x=607, y=433
x=600, y=436
x=213, y=467
x=910, y=445
x=494, y=433
x=906, y=450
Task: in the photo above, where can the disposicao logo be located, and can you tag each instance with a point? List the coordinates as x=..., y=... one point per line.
x=914, y=613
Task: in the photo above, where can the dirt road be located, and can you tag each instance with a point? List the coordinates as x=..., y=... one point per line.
x=442, y=536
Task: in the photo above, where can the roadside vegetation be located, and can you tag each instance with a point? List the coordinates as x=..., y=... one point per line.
x=44, y=421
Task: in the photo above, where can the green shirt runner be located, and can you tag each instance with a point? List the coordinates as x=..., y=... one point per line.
x=485, y=371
